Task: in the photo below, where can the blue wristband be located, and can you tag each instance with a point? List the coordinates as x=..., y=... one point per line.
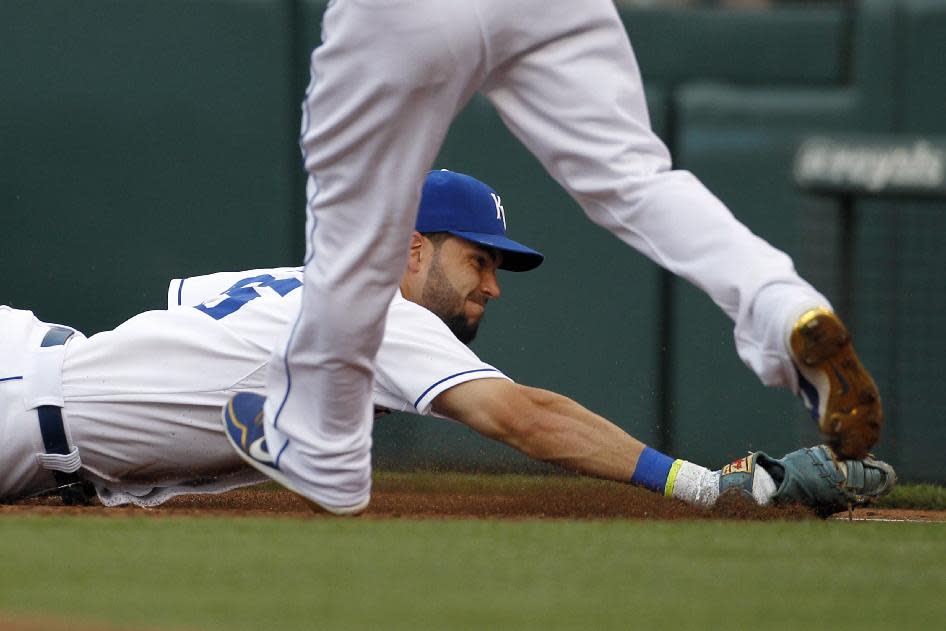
x=652, y=470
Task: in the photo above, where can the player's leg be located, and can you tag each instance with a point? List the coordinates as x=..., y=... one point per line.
x=142, y=402
x=386, y=83
x=133, y=411
x=576, y=101
x=578, y=104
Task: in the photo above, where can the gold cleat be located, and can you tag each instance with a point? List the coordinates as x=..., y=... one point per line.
x=837, y=389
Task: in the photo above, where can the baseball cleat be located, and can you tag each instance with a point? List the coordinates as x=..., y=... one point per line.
x=814, y=476
x=243, y=426
x=835, y=387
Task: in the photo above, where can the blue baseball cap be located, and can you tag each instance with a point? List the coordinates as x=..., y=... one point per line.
x=465, y=207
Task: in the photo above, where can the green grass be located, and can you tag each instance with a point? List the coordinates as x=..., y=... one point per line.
x=929, y=496
x=287, y=574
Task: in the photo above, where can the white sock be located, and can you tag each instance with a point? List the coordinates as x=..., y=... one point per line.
x=695, y=484
x=699, y=486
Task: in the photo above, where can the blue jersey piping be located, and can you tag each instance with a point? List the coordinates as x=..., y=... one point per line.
x=465, y=372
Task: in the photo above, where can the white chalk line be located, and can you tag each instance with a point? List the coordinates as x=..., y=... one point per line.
x=887, y=520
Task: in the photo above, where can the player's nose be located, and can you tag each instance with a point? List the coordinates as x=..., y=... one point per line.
x=490, y=284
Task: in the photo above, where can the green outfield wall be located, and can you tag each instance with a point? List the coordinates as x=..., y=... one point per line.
x=141, y=141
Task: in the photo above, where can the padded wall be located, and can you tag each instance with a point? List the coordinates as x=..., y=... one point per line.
x=793, y=44
x=140, y=141
x=922, y=108
x=899, y=254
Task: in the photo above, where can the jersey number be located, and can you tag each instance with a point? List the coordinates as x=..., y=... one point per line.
x=245, y=291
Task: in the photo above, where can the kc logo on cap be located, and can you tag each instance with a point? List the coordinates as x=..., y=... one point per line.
x=500, y=211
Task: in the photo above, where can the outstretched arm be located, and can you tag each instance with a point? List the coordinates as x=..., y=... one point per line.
x=543, y=425
x=553, y=428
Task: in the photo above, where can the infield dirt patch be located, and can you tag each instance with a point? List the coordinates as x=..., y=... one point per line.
x=469, y=496
x=449, y=495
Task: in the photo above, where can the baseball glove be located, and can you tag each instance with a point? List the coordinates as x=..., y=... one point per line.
x=815, y=477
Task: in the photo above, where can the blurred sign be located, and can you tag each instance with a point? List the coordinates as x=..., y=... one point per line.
x=872, y=165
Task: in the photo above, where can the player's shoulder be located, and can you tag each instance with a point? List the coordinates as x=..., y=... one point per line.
x=402, y=309
x=401, y=303
x=409, y=321
x=411, y=324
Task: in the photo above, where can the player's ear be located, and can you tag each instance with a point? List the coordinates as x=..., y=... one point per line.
x=415, y=252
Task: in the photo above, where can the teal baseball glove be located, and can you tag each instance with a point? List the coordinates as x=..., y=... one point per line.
x=814, y=477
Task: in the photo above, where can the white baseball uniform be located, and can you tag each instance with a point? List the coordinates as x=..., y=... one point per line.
x=142, y=403
x=386, y=83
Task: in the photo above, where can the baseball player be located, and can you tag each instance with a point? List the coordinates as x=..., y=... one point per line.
x=386, y=83
x=134, y=412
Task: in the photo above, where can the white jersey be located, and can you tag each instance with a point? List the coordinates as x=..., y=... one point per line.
x=142, y=402
x=419, y=358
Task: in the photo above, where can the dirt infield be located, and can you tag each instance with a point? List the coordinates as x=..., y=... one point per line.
x=468, y=497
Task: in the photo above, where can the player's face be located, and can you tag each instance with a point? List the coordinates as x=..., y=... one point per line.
x=460, y=281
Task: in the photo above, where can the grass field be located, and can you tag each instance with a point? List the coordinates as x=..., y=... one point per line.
x=283, y=574
x=929, y=496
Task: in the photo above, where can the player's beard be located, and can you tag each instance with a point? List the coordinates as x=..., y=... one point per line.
x=441, y=297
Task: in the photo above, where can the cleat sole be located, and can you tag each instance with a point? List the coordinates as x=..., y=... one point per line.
x=853, y=413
